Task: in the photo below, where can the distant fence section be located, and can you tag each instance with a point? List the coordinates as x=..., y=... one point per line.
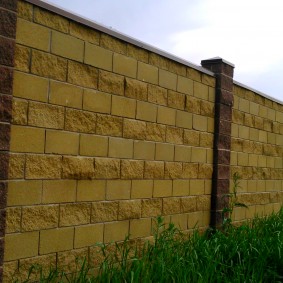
x=100, y=134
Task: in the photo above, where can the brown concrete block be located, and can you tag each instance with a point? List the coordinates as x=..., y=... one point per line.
x=98, y=57
x=191, y=137
x=151, y=207
x=190, y=170
x=91, y=190
x=201, y=91
x=129, y=209
x=182, y=153
x=116, y=231
x=185, y=85
x=111, y=83
x=88, y=235
x=45, y=115
x=147, y=73
x=30, y=87
x=197, y=187
x=82, y=75
x=144, y=150
x=199, y=155
x=134, y=129
x=146, y=111
x=33, y=35
x=107, y=168
x=80, y=121
x=188, y=204
x=157, y=95
x=118, y=189
x=14, y=248
x=13, y=220
x=173, y=170
x=171, y=206
x=140, y=228
x=200, y=123
x=65, y=95
x=162, y=188
x=48, y=65
x=164, y=151
x=124, y=65
x=167, y=80
x=181, y=187
x=74, y=214
x=78, y=167
x=55, y=240
x=122, y=106
x=67, y=46
x=121, y=148
x=91, y=145
x=58, y=142
x=16, y=166
x=109, y=125
x=43, y=167
x=132, y=169
x=155, y=132
x=135, y=89
x=141, y=189
x=184, y=119
x=104, y=211
x=84, y=33
x=59, y=191
x=112, y=43
x=174, y=135
x=154, y=170
x=39, y=217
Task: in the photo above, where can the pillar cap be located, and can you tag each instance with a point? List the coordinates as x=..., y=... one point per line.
x=217, y=60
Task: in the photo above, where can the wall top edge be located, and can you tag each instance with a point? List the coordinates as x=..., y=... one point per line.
x=258, y=92
x=90, y=23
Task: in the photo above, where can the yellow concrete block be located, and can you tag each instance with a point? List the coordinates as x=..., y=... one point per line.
x=58, y=191
x=91, y=190
x=194, y=74
x=97, y=101
x=185, y=85
x=107, y=168
x=80, y=121
x=182, y=153
x=48, y=65
x=253, y=160
x=262, y=136
x=85, y=33
x=65, y=94
x=207, y=108
x=39, y=217
x=144, y=150
x=25, y=10
x=234, y=158
x=55, y=240
x=129, y=209
x=111, y=83
x=157, y=94
x=146, y=111
x=22, y=58
x=164, y=151
x=271, y=138
x=43, y=167
x=121, y=148
x=140, y=228
x=118, y=189
x=155, y=132
x=171, y=205
x=174, y=135
x=199, y=155
x=141, y=189
x=244, y=105
x=67, y=46
x=195, y=220
x=243, y=159
x=134, y=129
x=244, y=132
x=166, y=116
x=91, y=145
x=207, y=187
x=26, y=139
x=201, y=91
x=116, y=231
x=33, y=35
x=74, y=214
x=176, y=100
x=13, y=219
x=210, y=125
x=154, y=170
x=122, y=106
x=191, y=137
x=137, y=53
x=184, y=119
x=211, y=94
x=262, y=161
x=188, y=204
x=46, y=115
x=162, y=188
x=135, y=89
x=24, y=193
x=180, y=221
x=58, y=142
x=147, y=73
x=159, y=61
x=279, y=117
x=124, y=65
x=112, y=43
x=197, y=187
x=254, y=134
x=109, y=125
x=132, y=169
x=190, y=170
x=181, y=187
x=21, y=245
x=206, y=140
x=82, y=75
x=88, y=235
x=208, y=80
x=98, y=57
x=104, y=211
x=30, y=87
x=167, y=80
x=51, y=20
x=16, y=166
x=173, y=170
x=200, y=123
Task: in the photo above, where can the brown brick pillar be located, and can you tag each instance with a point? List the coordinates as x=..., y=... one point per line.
x=222, y=135
x=8, y=20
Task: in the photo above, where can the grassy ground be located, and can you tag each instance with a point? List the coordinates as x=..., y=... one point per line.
x=250, y=253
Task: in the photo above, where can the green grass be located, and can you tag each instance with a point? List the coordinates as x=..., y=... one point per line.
x=249, y=253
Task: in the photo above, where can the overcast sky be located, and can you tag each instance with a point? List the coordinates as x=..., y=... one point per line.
x=247, y=33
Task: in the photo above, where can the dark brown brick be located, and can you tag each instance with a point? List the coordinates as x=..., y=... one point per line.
x=224, y=82
x=5, y=108
x=223, y=171
x=224, y=127
x=216, y=219
x=7, y=48
x=5, y=130
x=223, y=142
x=3, y=194
x=4, y=165
x=222, y=186
x=225, y=112
x=6, y=80
x=2, y=222
x=8, y=22
x=9, y=5
x=223, y=96
x=223, y=156
x=1, y=251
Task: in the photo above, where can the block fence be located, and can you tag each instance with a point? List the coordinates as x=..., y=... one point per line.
x=101, y=133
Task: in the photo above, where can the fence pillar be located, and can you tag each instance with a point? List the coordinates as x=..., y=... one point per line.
x=8, y=20
x=222, y=135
